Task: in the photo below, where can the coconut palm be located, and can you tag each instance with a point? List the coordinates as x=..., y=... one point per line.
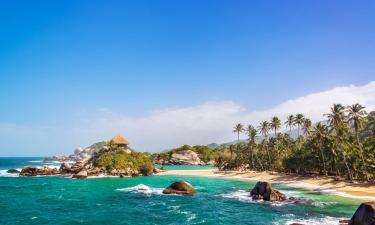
x=336, y=119
x=298, y=120
x=290, y=123
x=275, y=124
x=356, y=116
x=320, y=132
x=251, y=133
x=264, y=129
x=238, y=129
x=306, y=126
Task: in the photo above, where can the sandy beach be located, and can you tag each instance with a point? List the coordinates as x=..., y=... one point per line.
x=325, y=185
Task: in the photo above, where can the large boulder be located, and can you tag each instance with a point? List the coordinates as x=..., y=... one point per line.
x=185, y=157
x=263, y=190
x=180, y=188
x=365, y=214
x=29, y=171
x=80, y=175
x=65, y=168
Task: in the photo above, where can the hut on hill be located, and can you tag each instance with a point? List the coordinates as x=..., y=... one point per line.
x=120, y=142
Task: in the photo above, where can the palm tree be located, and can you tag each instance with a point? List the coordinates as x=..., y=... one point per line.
x=320, y=132
x=251, y=133
x=264, y=129
x=356, y=116
x=298, y=120
x=336, y=119
x=275, y=124
x=290, y=123
x=238, y=129
x=306, y=126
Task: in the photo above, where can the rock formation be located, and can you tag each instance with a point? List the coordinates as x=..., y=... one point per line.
x=29, y=171
x=365, y=214
x=80, y=175
x=263, y=190
x=185, y=157
x=13, y=171
x=180, y=188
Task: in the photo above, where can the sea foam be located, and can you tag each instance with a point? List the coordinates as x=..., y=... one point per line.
x=143, y=189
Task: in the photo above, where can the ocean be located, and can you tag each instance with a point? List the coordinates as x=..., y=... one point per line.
x=61, y=200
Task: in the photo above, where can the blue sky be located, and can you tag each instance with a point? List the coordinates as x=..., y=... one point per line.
x=64, y=63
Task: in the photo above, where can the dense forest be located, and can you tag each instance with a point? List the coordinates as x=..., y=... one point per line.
x=342, y=146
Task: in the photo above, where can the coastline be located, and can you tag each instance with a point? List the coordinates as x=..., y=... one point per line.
x=319, y=184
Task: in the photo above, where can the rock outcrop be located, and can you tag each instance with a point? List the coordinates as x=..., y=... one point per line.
x=185, y=157
x=263, y=190
x=13, y=171
x=365, y=214
x=80, y=175
x=30, y=171
x=180, y=188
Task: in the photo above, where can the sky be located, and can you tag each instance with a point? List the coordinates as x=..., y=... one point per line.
x=166, y=73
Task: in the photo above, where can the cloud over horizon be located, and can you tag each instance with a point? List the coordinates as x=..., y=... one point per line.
x=170, y=127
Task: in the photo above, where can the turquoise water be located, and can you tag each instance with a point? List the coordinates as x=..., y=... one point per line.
x=186, y=167
x=60, y=200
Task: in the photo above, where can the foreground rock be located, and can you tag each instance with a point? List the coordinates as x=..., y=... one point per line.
x=30, y=171
x=365, y=214
x=263, y=190
x=180, y=188
x=185, y=157
x=13, y=171
x=80, y=175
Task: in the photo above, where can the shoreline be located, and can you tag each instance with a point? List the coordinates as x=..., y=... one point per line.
x=324, y=185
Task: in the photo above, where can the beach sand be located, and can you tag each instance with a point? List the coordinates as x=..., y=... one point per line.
x=314, y=183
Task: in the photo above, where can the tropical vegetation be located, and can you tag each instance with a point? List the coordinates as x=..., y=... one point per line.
x=343, y=145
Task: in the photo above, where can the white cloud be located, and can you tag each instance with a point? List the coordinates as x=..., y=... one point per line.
x=165, y=128
x=213, y=121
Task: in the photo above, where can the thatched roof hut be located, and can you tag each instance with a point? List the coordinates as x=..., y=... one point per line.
x=120, y=141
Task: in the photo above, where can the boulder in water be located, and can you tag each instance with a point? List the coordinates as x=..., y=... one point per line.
x=65, y=168
x=29, y=171
x=263, y=190
x=80, y=175
x=180, y=188
x=365, y=214
x=13, y=171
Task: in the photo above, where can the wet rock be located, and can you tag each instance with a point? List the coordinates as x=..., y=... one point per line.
x=180, y=188
x=30, y=171
x=263, y=190
x=80, y=175
x=365, y=214
x=65, y=168
x=13, y=171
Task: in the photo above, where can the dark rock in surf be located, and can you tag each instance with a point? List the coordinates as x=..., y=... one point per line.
x=365, y=214
x=263, y=190
x=180, y=188
x=13, y=171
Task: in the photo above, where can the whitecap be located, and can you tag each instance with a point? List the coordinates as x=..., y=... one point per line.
x=143, y=189
x=241, y=195
x=328, y=220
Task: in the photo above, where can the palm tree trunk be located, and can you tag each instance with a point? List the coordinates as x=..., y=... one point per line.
x=364, y=167
x=324, y=164
x=347, y=167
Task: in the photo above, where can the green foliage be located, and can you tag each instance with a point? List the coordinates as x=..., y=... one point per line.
x=344, y=148
x=119, y=159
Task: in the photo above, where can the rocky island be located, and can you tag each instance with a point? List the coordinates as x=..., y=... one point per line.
x=107, y=158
